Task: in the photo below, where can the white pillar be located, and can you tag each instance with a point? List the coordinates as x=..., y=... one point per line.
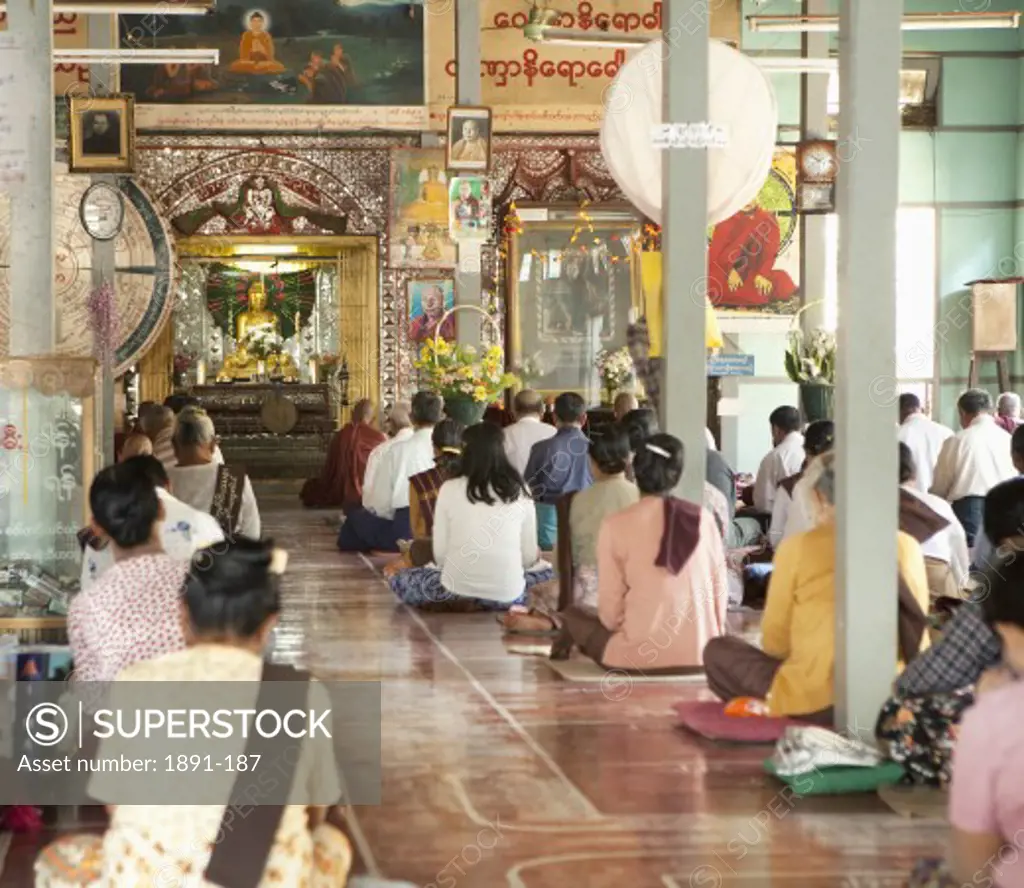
x=867, y=490
x=468, y=90
x=33, y=318
x=814, y=125
x=684, y=241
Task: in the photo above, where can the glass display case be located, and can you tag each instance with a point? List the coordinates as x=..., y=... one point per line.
x=572, y=283
x=48, y=456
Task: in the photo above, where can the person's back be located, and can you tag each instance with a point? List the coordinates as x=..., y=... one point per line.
x=527, y=430
x=923, y=436
x=560, y=464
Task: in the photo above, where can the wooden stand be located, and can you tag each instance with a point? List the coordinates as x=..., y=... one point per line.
x=1000, y=358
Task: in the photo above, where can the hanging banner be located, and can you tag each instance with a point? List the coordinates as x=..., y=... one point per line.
x=517, y=71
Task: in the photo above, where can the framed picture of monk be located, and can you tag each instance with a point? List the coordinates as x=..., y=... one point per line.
x=469, y=139
x=102, y=134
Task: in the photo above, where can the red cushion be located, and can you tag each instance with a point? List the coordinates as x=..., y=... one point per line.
x=708, y=719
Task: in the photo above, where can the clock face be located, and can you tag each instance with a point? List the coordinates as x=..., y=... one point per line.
x=102, y=211
x=818, y=163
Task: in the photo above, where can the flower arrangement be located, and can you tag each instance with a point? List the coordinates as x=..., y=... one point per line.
x=102, y=307
x=457, y=372
x=615, y=369
x=530, y=369
x=183, y=362
x=262, y=342
x=328, y=362
x=811, y=357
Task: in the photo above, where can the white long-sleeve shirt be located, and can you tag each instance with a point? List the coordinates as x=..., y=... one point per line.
x=782, y=461
x=973, y=461
x=483, y=551
x=389, y=488
x=376, y=455
x=521, y=436
x=950, y=543
x=925, y=438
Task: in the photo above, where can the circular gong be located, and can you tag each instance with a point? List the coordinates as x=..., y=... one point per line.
x=279, y=414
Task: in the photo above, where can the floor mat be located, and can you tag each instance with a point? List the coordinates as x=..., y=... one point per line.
x=841, y=780
x=581, y=669
x=916, y=801
x=707, y=719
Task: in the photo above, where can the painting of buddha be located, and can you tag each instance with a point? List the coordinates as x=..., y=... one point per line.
x=256, y=50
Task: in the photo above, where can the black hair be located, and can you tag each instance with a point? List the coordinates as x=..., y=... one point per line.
x=786, y=418
x=639, y=425
x=655, y=472
x=975, y=401
x=150, y=468
x=909, y=402
x=486, y=468
x=610, y=450
x=570, y=407
x=908, y=468
x=230, y=590
x=1004, y=511
x=446, y=437
x=177, y=403
x=427, y=408
x=1017, y=441
x=1002, y=602
x=820, y=437
x=124, y=504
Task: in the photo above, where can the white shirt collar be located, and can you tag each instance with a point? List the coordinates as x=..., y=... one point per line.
x=529, y=417
x=981, y=419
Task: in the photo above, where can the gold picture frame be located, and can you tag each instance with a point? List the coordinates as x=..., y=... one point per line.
x=102, y=134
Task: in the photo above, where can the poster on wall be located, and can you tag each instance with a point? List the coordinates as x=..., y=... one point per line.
x=281, y=52
x=418, y=230
x=754, y=256
x=469, y=208
x=517, y=71
x=428, y=301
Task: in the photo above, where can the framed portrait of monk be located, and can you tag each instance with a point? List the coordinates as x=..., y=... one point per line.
x=102, y=134
x=469, y=139
x=571, y=284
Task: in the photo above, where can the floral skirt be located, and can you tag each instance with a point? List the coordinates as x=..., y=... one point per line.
x=421, y=587
x=920, y=733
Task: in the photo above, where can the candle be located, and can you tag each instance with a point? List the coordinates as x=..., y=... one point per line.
x=201, y=372
x=312, y=370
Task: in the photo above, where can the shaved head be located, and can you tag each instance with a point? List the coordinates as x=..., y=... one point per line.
x=363, y=411
x=528, y=402
x=136, y=445
x=155, y=419
x=399, y=418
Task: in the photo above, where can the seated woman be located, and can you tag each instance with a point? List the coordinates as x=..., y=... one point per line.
x=131, y=612
x=917, y=725
x=662, y=591
x=579, y=520
x=199, y=481
x=789, y=516
x=230, y=607
x=985, y=813
x=485, y=535
x=793, y=672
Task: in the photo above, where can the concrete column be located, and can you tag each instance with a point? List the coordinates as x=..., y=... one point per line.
x=814, y=125
x=684, y=240
x=33, y=316
x=869, y=128
x=468, y=90
x=101, y=77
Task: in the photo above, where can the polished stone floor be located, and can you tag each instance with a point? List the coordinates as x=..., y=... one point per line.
x=496, y=772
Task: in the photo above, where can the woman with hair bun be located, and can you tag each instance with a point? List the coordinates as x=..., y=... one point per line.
x=662, y=589
x=131, y=612
x=230, y=607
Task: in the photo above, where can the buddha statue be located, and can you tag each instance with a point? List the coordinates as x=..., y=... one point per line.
x=242, y=364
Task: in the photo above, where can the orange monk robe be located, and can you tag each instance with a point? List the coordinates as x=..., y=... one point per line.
x=747, y=243
x=341, y=482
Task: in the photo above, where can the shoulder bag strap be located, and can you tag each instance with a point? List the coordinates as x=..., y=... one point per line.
x=246, y=836
x=227, y=498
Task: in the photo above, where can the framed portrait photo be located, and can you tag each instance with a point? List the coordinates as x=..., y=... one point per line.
x=469, y=139
x=430, y=299
x=102, y=134
x=469, y=208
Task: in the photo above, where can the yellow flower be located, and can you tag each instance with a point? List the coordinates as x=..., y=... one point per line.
x=494, y=353
x=441, y=346
x=479, y=393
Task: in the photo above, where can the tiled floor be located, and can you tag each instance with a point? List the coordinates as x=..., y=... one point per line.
x=498, y=773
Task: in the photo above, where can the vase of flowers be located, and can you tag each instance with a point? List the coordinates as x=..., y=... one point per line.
x=467, y=381
x=183, y=363
x=811, y=363
x=616, y=371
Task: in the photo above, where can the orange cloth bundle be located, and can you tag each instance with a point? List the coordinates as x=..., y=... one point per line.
x=746, y=707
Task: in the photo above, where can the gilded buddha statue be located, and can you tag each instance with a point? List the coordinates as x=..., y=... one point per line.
x=242, y=365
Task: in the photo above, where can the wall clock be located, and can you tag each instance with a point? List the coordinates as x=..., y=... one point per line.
x=102, y=211
x=817, y=167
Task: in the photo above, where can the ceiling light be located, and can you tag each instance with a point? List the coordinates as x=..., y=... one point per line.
x=931, y=21
x=171, y=7
x=796, y=64
x=136, y=56
x=265, y=249
x=570, y=37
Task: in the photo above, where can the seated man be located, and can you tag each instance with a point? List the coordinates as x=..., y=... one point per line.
x=784, y=459
x=917, y=726
x=340, y=484
x=383, y=519
x=559, y=465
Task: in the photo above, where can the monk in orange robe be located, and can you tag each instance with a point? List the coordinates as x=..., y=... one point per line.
x=741, y=260
x=341, y=483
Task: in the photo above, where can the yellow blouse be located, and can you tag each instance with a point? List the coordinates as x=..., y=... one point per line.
x=799, y=617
